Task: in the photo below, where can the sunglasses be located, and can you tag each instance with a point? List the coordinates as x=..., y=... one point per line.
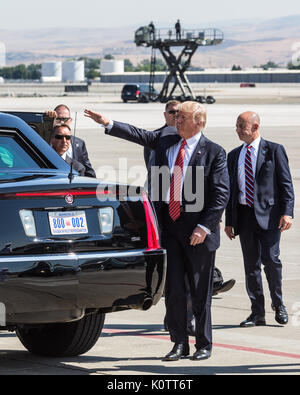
x=62, y=119
x=173, y=112
x=62, y=136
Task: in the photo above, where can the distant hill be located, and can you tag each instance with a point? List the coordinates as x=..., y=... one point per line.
x=247, y=43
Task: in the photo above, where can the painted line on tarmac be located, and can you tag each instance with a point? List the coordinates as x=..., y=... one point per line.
x=220, y=345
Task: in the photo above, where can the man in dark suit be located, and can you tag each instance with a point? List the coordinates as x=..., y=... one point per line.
x=190, y=230
x=77, y=149
x=219, y=285
x=260, y=208
x=60, y=142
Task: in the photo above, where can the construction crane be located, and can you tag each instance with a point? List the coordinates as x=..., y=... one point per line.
x=164, y=40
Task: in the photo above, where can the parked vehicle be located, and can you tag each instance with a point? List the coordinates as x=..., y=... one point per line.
x=71, y=249
x=201, y=99
x=247, y=85
x=210, y=100
x=138, y=92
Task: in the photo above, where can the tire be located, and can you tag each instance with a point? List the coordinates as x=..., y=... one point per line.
x=210, y=100
x=63, y=339
x=201, y=99
x=143, y=99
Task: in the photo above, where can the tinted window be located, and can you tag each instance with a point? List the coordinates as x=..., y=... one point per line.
x=13, y=156
x=144, y=88
x=130, y=88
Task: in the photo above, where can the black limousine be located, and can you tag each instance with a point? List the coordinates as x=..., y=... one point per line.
x=71, y=249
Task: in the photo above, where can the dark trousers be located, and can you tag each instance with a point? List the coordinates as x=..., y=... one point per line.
x=197, y=265
x=260, y=246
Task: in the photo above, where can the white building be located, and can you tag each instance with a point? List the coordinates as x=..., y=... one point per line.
x=51, y=72
x=73, y=71
x=2, y=55
x=112, y=66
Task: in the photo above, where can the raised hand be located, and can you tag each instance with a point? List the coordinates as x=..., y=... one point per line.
x=96, y=117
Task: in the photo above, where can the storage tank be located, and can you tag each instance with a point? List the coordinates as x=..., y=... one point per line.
x=73, y=71
x=2, y=55
x=51, y=71
x=112, y=66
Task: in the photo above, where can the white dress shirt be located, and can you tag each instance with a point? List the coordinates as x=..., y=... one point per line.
x=241, y=166
x=172, y=153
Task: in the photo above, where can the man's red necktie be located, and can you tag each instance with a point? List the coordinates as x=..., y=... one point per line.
x=176, y=184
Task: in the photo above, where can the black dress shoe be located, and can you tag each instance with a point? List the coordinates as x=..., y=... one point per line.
x=224, y=287
x=281, y=315
x=253, y=320
x=178, y=351
x=201, y=354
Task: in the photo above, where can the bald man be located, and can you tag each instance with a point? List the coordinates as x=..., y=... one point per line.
x=260, y=208
x=190, y=231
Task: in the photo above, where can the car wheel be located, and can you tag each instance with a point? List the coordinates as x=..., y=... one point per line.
x=210, y=100
x=143, y=99
x=201, y=99
x=63, y=339
x=124, y=100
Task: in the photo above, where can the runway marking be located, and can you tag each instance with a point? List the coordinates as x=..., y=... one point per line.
x=220, y=345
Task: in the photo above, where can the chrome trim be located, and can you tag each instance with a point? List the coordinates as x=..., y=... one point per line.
x=72, y=257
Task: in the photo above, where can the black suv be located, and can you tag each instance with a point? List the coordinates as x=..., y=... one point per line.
x=138, y=92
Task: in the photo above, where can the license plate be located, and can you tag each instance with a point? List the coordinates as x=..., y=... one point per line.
x=68, y=223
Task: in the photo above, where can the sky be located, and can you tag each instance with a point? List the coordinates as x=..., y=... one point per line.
x=36, y=14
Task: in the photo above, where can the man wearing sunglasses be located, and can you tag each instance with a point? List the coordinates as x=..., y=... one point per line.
x=60, y=142
x=171, y=109
x=77, y=149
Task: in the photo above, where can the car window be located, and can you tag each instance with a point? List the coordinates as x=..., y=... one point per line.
x=13, y=156
x=130, y=88
x=144, y=88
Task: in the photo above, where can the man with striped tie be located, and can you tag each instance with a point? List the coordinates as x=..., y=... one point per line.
x=194, y=167
x=261, y=206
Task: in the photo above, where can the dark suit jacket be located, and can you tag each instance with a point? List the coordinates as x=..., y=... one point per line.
x=81, y=155
x=207, y=154
x=273, y=191
x=148, y=152
x=76, y=165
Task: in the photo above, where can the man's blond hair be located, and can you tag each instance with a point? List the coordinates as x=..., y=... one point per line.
x=198, y=110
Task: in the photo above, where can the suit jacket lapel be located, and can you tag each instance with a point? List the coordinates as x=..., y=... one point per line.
x=236, y=162
x=262, y=149
x=235, y=175
x=168, y=142
x=199, y=150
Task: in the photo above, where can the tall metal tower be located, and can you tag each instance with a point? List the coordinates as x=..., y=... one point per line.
x=164, y=39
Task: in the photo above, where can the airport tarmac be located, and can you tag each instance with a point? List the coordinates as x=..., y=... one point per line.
x=133, y=342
